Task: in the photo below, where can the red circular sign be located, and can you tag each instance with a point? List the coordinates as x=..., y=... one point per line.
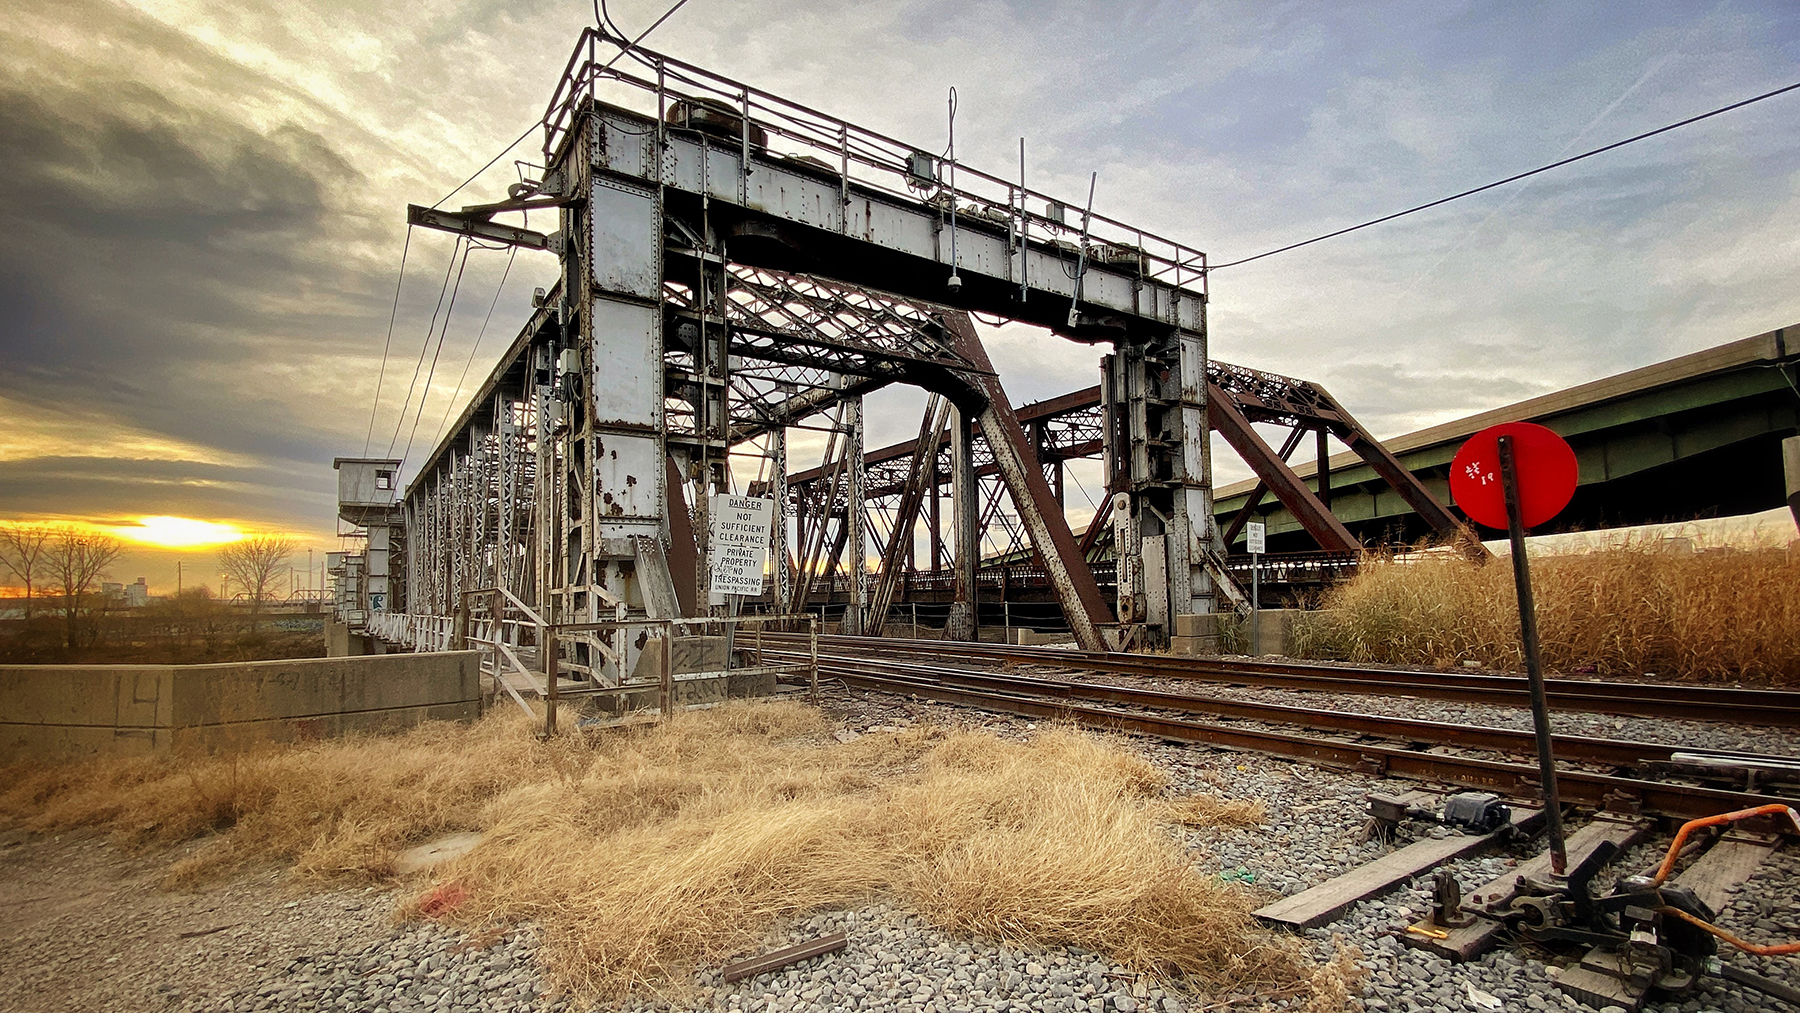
x=1547, y=474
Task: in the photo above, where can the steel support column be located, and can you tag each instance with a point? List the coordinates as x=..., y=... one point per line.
x=936, y=532
x=856, y=613
x=778, y=488
x=620, y=449
x=965, y=530
x=1155, y=395
x=1323, y=468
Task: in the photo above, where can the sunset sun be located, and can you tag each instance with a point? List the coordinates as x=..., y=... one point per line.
x=177, y=532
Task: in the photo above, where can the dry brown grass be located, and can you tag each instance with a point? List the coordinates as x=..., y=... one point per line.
x=1710, y=616
x=644, y=852
x=1213, y=811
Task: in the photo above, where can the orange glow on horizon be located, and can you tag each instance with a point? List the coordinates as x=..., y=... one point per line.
x=160, y=531
x=176, y=532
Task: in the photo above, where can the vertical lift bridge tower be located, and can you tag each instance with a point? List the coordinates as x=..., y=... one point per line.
x=733, y=262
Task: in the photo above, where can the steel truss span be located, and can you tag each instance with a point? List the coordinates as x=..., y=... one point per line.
x=733, y=264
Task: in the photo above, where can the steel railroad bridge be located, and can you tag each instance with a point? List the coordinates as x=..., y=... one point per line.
x=1695, y=436
x=733, y=265
x=1073, y=426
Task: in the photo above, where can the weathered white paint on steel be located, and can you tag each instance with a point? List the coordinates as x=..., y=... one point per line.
x=626, y=467
x=628, y=364
x=809, y=195
x=627, y=236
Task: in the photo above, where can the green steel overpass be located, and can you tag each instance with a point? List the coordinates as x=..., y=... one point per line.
x=1695, y=436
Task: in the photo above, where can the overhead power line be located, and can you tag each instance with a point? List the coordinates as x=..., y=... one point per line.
x=1514, y=178
x=388, y=341
x=464, y=378
x=425, y=393
x=628, y=47
x=449, y=268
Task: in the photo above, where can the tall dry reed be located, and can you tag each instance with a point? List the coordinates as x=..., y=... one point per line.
x=644, y=852
x=1702, y=616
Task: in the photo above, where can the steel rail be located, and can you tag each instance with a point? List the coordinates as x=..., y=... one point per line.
x=1584, y=749
x=1659, y=700
x=1514, y=780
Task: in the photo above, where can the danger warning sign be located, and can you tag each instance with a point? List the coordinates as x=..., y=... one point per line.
x=739, y=543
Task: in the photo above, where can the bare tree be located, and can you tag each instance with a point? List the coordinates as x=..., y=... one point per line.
x=22, y=553
x=77, y=559
x=252, y=562
x=185, y=616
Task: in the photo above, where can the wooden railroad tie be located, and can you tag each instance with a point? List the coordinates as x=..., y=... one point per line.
x=750, y=967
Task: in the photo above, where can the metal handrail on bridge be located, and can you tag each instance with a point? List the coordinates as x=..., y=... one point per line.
x=466, y=627
x=665, y=683
x=834, y=145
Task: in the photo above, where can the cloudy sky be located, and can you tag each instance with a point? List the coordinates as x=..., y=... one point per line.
x=204, y=204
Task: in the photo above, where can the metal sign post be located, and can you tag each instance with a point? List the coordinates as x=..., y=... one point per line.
x=1790, y=463
x=1518, y=475
x=1534, y=671
x=1253, y=538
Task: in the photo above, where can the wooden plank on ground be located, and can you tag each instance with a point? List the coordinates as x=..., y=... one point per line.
x=1726, y=864
x=1325, y=902
x=754, y=966
x=1497, y=895
x=1600, y=982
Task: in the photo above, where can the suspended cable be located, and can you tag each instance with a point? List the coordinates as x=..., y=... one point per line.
x=512, y=253
x=1513, y=179
x=425, y=392
x=420, y=364
x=628, y=47
x=1080, y=487
x=490, y=163
x=604, y=17
x=388, y=341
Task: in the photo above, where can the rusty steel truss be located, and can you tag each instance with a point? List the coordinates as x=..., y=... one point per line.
x=899, y=492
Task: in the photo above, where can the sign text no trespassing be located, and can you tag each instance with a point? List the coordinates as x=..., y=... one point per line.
x=739, y=543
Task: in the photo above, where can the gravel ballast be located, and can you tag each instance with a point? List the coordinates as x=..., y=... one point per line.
x=259, y=944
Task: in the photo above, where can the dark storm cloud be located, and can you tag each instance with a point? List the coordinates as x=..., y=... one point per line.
x=165, y=267
x=114, y=489
x=131, y=215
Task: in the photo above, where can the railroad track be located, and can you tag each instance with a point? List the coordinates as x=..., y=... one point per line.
x=1674, y=700
x=1402, y=751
